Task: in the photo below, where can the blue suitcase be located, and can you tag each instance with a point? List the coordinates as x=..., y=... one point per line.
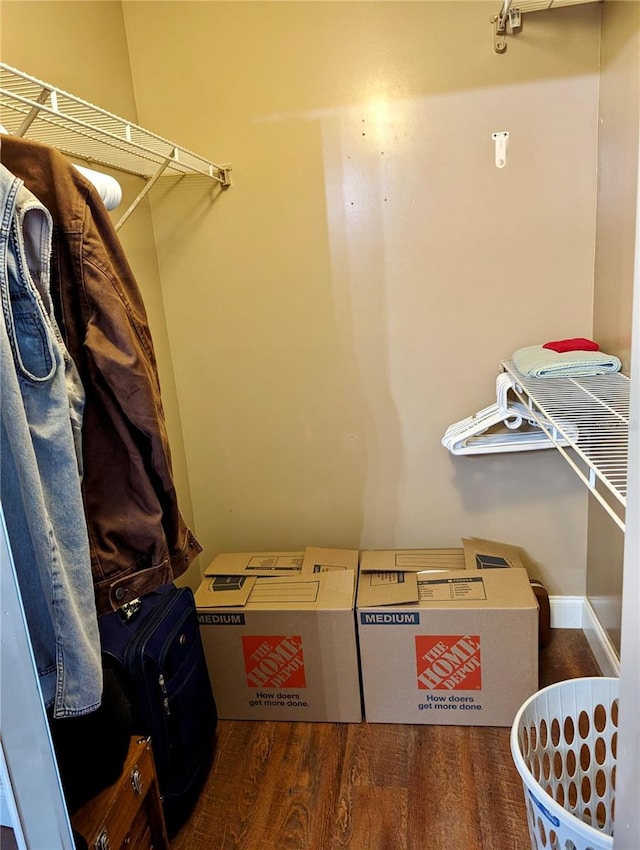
x=153, y=644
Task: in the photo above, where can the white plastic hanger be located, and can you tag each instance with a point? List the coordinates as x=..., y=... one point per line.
x=472, y=436
x=108, y=187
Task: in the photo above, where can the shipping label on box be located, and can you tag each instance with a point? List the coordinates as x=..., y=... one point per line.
x=468, y=589
x=466, y=653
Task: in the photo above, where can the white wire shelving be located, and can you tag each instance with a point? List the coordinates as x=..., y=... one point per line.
x=592, y=416
x=45, y=113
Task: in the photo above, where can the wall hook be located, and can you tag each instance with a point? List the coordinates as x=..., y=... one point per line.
x=500, y=140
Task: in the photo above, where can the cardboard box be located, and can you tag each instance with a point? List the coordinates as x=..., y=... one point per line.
x=462, y=651
x=286, y=648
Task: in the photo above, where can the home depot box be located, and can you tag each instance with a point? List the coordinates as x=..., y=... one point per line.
x=453, y=648
x=285, y=649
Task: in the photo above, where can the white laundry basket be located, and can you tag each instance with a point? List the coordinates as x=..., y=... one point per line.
x=563, y=742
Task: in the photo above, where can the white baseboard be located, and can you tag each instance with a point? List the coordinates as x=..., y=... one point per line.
x=600, y=644
x=566, y=612
x=575, y=612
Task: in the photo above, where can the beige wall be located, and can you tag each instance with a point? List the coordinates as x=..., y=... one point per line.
x=352, y=294
x=619, y=111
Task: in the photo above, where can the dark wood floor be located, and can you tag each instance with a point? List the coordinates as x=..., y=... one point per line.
x=324, y=786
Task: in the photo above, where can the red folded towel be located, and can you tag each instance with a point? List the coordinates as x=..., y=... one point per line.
x=578, y=343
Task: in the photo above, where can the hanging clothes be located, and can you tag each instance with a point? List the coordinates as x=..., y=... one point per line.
x=40, y=405
x=137, y=536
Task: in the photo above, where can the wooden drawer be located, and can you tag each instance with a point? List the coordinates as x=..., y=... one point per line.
x=128, y=815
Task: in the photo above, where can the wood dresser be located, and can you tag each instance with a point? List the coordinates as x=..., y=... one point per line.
x=127, y=815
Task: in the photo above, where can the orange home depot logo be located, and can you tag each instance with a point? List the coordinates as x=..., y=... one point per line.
x=274, y=661
x=448, y=662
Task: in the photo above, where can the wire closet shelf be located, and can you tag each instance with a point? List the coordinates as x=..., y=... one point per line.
x=592, y=416
x=85, y=131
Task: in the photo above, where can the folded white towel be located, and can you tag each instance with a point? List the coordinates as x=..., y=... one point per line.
x=539, y=362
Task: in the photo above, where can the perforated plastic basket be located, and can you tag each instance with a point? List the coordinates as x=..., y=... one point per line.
x=563, y=742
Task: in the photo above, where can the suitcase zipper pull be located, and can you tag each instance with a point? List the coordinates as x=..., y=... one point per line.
x=163, y=688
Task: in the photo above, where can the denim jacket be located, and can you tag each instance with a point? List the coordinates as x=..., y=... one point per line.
x=137, y=535
x=40, y=408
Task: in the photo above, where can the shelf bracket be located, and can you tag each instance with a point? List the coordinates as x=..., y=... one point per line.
x=506, y=21
x=146, y=189
x=33, y=112
x=499, y=32
x=222, y=174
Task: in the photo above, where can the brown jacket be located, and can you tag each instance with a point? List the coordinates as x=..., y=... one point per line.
x=138, y=538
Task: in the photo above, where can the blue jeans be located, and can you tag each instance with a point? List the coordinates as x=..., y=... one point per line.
x=40, y=418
